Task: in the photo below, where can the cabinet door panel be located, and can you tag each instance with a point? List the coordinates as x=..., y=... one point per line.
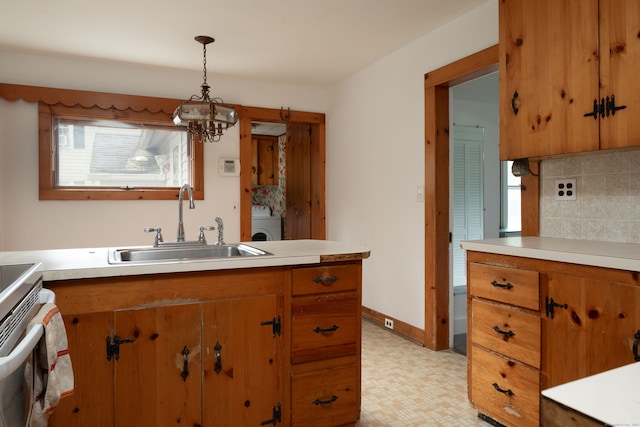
x=149, y=387
x=549, y=58
x=619, y=69
x=594, y=333
x=92, y=401
x=246, y=388
x=299, y=182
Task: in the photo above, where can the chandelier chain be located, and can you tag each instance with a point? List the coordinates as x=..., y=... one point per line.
x=204, y=63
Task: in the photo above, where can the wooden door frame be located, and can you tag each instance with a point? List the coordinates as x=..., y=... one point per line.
x=318, y=160
x=437, y=223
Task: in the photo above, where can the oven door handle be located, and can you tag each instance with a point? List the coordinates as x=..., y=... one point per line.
x=14, y=360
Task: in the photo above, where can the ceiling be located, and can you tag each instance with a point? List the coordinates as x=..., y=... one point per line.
x=308, y=42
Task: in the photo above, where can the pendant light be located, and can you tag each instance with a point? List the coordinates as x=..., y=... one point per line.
x=205, y=118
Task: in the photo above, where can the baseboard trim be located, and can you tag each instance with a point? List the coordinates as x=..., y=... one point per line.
x=399, y=327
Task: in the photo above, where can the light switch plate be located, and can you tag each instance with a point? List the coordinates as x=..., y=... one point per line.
x=566, y=189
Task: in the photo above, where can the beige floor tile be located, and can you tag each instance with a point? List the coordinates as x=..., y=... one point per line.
x=407, y=385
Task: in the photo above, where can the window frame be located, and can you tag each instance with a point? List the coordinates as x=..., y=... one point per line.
x=149, y=115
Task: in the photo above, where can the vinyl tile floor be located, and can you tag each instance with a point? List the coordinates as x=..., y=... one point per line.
x=405, y=384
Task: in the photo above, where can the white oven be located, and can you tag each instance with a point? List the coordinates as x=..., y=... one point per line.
x=21, y=296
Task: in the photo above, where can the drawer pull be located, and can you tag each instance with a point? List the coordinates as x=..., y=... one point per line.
x=319, y=330
x=319, y=402
x=326, y=280
x=185, y=368
x=506, y=334
x=502, y=285
x=218, y=365
x=501, y=390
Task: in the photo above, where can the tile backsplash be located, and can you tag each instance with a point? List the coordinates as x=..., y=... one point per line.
x=607, y=206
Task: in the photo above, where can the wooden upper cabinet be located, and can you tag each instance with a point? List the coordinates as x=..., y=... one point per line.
x=264, y=160
x=552, y=71
x=548, y=76
x=619, y=70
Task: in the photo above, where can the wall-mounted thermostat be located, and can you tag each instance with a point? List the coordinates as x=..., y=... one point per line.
x=229, y=167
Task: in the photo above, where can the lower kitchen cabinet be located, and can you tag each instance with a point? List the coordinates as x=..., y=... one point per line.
x=598, y=319
x=535, y=324
x=92, y=402
x=156, y=376
x=216, y=361
x=245, y=347
x=325, y=345
x=242, y=361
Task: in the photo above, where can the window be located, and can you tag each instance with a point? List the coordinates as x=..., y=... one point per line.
x=510, y=221
x=116, y=154
x=109, y=154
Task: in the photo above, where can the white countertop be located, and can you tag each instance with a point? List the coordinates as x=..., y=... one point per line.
x=82, y=263
x=622, y=256
x=611, y=397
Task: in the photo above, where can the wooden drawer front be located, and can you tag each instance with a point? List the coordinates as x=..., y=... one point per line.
x=508, y=331
x=508, y=390
x=329, y=397
x=323, y=328
x=509, y=285
x=329, y=278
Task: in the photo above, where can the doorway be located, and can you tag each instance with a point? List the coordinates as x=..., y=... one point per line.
x=476, y=190
x=304, y=189
x=437, y=209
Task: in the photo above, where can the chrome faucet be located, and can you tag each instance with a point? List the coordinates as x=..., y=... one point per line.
x=220, y=231
x=192, y=205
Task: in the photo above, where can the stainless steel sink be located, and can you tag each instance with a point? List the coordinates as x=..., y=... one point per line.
x=182, y=252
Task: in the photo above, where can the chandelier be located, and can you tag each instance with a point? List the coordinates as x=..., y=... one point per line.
x=205, y=118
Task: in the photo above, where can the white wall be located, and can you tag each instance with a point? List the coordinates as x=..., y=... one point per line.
x=375, y=160
x=27, y=223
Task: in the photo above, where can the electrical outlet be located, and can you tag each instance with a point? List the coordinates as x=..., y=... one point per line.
x=388, y=323
x=566, y=189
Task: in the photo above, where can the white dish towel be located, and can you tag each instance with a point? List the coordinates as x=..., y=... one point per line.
x=49, y=374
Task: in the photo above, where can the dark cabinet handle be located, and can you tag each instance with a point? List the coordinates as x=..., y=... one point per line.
x=501, y=390
x=319, y=402
x=502, y=285
x=276, y=417
x=185, y=368
x=551, y=305
x=218, y=365
x=635, y=346
x=611, y=106
x=598, y=109
x=319, y=330
x=326, y=280
x=113, y=346
x=506, y=334
x=515, y=103
x=605, y=108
